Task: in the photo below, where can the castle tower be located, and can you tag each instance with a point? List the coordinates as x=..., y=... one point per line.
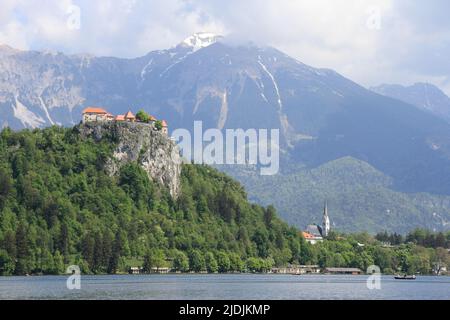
x=325, y=221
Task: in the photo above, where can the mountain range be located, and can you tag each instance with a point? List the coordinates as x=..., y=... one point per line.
x=323, y=118
x=425, y=96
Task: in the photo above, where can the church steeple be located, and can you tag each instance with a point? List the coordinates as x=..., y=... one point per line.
x=325, y=221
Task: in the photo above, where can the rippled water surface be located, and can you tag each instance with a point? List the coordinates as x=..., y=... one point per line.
x=226, y=287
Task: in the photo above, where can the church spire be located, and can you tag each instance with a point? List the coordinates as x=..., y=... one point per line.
x=325, y=221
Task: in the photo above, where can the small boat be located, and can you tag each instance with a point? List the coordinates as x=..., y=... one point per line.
x=405, y=277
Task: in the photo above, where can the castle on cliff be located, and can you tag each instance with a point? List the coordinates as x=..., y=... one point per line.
x=96, y=114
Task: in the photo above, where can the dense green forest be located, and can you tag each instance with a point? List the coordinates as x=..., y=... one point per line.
x=59, y=207
x=360, y=197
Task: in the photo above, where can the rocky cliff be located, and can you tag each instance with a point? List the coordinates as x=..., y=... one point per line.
x=141, y=143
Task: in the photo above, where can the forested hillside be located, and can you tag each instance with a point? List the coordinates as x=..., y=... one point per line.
x=58, y=206
x=360, y=198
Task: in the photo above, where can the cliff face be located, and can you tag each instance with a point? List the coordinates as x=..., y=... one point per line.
x=141, y=143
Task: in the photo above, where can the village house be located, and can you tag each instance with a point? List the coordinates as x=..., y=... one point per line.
x=135, y=270
x=311, y=238
x=297, y=269
x=160, y=270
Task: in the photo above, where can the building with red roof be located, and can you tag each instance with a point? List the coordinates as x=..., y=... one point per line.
x=97, y=114
x=94, y=114
x=129, y=116
x=311, y=237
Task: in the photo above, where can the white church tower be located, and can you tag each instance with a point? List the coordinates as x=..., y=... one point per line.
x=325, y=221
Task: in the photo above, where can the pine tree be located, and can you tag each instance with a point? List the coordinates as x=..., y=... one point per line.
x=98, y=253
x=269, y=214
x=5, y=186
x=58, y=263
x=116, y=253
x=107, y=243
x=64, y=240
x=9, y=244
x=23, y=254
x=88, y=248
x=7, y=264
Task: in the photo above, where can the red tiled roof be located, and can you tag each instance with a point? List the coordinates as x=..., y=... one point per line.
x=307, y=235
x=95, y=110
x=164, y=123
x=129, y=115
x=152, y=118
x=120, y=118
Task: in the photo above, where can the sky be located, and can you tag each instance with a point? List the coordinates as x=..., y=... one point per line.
x=368, y=41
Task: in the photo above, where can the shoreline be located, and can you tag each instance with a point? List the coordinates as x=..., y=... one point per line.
x=214, y=274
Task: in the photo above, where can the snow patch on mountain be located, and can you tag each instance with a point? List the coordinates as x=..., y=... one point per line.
x=27, y=117
x=223, y=112
x=201, y=40
x=280, y=104
x=44, y=107
x=285, y=126
x=174, y=64
x=144, y=70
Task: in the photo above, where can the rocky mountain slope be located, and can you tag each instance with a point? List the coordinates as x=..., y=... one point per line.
x=425, y=96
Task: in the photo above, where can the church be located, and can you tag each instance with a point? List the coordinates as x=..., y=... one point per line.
x=316, y=233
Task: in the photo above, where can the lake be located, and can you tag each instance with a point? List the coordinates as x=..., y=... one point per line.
x=223, y=287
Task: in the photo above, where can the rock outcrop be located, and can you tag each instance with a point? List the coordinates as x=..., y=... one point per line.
x=154, y=151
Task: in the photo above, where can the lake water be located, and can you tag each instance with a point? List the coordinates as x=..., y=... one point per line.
x=223, y=287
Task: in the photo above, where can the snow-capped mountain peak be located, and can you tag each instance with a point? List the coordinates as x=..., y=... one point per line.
x=201, y=40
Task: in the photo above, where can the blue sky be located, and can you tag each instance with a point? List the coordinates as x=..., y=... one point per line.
x=369, y=41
